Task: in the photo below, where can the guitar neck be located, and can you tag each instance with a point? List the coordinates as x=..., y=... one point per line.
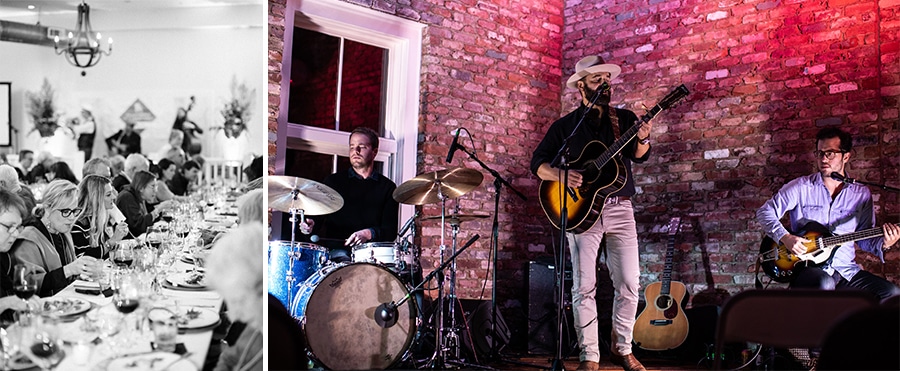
x=667, y=271
x=617, y=146
x=852, y=237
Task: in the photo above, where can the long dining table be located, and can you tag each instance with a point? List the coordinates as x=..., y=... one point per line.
x=88, y=346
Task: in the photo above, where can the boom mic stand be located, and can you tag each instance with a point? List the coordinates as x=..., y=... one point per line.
x=560, y=162
x=386, y=314
x=495, y=246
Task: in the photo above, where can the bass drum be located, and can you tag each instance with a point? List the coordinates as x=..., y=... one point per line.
x=336, y=308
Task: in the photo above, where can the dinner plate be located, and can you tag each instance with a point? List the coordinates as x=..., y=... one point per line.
x=195, y=317
x=156, y=361
x=188, y=279
x=65, y=306
x=20, y=361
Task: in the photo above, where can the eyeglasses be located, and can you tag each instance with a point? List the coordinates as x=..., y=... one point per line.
x=829, y=155
x=69, y=212
x=10, y=229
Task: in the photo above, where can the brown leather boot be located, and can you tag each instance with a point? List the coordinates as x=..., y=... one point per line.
x=627, y=362
x=588, y=366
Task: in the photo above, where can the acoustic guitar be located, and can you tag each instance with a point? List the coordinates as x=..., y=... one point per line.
x=662, y=324
x=778, y=261
x=603, y=173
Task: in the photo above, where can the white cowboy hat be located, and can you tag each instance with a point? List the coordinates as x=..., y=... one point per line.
x=591, y=65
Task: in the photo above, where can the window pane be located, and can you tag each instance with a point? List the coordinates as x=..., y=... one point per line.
x=314, y=67
x=362, y=87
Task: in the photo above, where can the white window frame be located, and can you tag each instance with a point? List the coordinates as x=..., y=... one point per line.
x=403, y=41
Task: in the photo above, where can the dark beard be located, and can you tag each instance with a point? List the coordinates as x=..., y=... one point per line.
x=602, y=100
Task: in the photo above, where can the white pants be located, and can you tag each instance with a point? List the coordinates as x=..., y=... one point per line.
x=617, y=224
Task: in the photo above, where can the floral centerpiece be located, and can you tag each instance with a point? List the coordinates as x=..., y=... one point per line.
x=43, y=111
x=237, y=110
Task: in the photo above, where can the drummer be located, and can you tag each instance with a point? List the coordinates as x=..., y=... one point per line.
x=370, y=213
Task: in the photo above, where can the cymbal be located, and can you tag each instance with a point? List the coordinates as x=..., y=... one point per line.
x=457, y=218
x=313, y=198
x=425, y=188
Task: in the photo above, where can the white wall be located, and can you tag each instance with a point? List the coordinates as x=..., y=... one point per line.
x=160, y=56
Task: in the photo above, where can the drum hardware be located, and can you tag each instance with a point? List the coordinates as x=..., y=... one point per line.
x=438, y=186
x=386, y=314
x=304, y=197
x=499, y=182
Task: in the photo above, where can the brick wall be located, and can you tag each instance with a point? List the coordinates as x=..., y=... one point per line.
x=765, y=77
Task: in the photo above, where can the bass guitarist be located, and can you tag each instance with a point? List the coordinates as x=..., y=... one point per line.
x=616, y=220
x=839, y=207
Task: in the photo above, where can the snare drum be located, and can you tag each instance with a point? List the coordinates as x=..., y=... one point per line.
x=394, y=256
x=336, y=308
x=307, y=259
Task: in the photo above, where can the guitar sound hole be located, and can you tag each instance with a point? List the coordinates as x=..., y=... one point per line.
x=663, y=302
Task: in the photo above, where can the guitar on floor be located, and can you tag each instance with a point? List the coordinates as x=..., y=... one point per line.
x=603, y=173
x=778, y=261
x=662, y=324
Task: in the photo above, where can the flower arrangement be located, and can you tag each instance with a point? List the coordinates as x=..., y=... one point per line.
x=42, y=110
x=237, y=110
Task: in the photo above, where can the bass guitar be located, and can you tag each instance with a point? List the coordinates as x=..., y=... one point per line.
x=603, y=173
x=662, y=324
x=778, y=261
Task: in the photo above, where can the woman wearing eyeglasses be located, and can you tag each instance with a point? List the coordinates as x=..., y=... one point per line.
x=96, y=233
x=46, y=245
x=132, y=201
x=12, y=211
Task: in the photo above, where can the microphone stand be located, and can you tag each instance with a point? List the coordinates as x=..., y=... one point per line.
x=849, y=180
x=495, y=232
x=386, y=313
x=560, y=162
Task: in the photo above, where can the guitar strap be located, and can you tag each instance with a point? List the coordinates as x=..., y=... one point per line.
x=614, y=120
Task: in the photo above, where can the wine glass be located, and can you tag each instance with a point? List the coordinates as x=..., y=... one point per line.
x=127, y=297
x=9, y=340
x=123, y=256
x=41, y=344
x=24, y=283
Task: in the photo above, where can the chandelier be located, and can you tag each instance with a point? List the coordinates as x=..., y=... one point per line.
x=82, y=49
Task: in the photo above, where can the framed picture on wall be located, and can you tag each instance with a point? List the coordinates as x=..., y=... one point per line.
x=5, y=113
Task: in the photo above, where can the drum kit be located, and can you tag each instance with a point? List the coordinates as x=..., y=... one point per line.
x=357, y=315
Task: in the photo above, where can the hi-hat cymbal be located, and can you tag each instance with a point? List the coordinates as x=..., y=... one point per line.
x=457, y=218
x=426, y=188
x=313, y=198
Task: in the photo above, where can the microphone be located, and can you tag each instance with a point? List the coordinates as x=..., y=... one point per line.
x=841, y=178
x=386, y=314
x=409, y=224
x=603, y=87
x=453, y=146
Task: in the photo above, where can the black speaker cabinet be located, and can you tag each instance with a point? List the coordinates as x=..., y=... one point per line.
x=542, y=309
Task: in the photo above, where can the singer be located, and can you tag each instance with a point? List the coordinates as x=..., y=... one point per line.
x=370, y=212
x=841, y=207
x=603, y=123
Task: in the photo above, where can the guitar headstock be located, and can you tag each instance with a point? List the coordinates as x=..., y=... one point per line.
x=674, y=97
x=674, y=225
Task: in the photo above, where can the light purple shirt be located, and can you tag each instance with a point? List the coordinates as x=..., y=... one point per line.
x=806, y=199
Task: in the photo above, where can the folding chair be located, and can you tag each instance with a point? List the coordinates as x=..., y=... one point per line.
x=785, y=318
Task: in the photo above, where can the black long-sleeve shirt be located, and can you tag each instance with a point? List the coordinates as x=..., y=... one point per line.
x=593, y=128
x=368, y=203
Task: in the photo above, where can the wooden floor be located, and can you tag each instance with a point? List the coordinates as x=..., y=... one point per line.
x=542, y=362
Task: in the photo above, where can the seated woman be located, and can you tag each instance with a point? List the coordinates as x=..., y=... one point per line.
x=165, y=172
x=60, y=170
x=132, y=201
x=46, y=244
x=12, y=211
x=96, y=233
x=235, y=269
x=251, y=207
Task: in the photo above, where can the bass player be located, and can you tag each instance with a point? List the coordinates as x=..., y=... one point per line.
x=841, y=208
x=616, y=222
